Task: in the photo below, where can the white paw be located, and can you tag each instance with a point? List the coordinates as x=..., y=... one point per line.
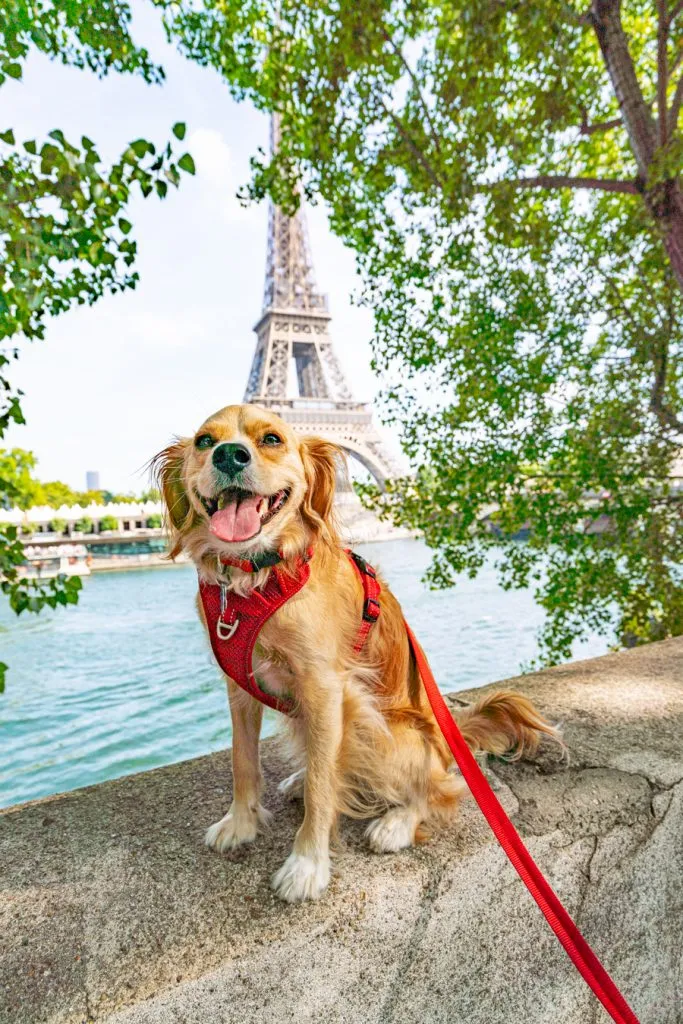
x=239, y=825
x=293, y=786
x=301, y=878
x=393, y=831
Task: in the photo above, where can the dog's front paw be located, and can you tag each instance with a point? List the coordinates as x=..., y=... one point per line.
x=239, y=826
x=292, y=788
x=301, y=878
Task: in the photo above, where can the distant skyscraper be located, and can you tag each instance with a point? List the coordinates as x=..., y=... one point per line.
x=92, y=480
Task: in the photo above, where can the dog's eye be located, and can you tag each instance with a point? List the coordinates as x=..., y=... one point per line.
x=272, y=439
x=204, y=441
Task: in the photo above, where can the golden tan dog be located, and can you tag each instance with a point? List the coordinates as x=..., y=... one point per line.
x=364, y=734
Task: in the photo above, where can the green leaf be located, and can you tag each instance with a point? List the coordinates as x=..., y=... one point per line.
x=8, y=137
x=3, y=675
x=141, y=147
x=125, y=225
x=13, y=70
x=186, y=163
x=179, y=129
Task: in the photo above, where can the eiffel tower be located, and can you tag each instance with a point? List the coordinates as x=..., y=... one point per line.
x=295, y=371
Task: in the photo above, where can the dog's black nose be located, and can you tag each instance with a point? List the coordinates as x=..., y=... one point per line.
x=231, y=459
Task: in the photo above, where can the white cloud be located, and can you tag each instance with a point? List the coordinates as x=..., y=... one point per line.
x=216, y=169
x=158, y=330
x=212, y=156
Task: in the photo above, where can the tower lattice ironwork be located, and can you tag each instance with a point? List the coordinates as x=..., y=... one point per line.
x=295, y=370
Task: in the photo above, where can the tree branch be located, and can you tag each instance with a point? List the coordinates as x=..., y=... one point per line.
x=676, y=11
x=588, y=129
x=676, y=106
x=416, y=85
x=575, y=17
x=412, y=145
x=662, y=69
x=665, y=415
x=609, y=281
x=562, y=181
x=675, y=62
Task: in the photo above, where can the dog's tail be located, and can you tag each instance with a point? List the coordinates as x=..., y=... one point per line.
x=505, y=724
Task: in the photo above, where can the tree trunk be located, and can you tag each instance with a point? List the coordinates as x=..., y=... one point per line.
x=665, y=201
x=671, y=220
x=640, y=126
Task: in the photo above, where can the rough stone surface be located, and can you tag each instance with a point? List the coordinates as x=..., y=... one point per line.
x=111, y=908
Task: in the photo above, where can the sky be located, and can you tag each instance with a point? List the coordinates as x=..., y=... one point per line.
x=112, y=383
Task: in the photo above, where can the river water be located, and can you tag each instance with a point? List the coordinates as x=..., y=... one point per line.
x=124, y=681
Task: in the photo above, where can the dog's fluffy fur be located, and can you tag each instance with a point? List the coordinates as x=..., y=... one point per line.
x=364, y=737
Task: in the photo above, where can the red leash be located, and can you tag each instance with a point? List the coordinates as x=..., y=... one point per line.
x=575, y=946
x=228, y=613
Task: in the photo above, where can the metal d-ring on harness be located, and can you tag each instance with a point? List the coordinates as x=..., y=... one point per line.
x=226, y=630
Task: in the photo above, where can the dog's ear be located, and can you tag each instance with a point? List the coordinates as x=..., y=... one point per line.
x=322, y=460
x=167, y=470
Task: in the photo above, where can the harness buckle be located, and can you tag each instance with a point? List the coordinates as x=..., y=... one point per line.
x=371, y=609
x=364, y=566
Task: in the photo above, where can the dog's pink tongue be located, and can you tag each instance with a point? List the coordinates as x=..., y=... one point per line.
x=239, y=520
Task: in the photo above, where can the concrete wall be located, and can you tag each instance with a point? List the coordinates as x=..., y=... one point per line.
x=112, y=909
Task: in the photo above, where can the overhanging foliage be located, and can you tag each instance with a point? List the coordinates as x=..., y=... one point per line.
x=508, y=177
x=64, y=236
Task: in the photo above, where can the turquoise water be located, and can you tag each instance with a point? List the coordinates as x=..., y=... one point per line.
x=124, y=681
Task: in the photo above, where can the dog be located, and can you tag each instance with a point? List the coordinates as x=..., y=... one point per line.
x=363, y=735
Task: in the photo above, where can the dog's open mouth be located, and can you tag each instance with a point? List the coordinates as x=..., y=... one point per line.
x=237, y=515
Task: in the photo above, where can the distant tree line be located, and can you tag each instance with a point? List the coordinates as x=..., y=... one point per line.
x=18, y=465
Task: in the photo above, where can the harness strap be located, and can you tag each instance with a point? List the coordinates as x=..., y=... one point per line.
x=573, y=942
x=234, y=621
x=371, y=592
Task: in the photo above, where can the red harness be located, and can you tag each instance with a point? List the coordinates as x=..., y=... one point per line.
x=234, y=622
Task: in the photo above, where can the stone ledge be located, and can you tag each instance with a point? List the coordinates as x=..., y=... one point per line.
x=112, y=910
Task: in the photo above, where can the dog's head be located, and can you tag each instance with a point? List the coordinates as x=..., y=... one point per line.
x=247, y=483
